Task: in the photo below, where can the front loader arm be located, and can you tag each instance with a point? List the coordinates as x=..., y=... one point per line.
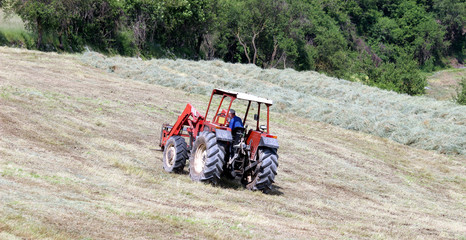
x=189, y=120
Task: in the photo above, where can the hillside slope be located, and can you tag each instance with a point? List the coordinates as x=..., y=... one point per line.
x=78, y=160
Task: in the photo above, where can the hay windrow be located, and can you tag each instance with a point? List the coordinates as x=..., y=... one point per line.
x=415, y=121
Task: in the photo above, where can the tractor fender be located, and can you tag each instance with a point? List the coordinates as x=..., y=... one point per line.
x=223, y=135
x=268, y=142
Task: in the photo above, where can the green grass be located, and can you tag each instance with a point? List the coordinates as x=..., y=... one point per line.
x=14, y=33
x=17, y=226
x=27, y=174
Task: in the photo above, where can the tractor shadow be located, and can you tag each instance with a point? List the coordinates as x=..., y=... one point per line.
x=275, y=191
x=230, y=184
x=236, y=185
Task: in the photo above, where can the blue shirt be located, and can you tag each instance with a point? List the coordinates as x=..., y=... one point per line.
x=235, y=122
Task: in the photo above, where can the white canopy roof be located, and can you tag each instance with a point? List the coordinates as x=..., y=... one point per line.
x=245, y=96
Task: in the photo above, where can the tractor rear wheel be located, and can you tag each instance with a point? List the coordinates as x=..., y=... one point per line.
x=262, y=177
x=207, y=158
x=175, y=154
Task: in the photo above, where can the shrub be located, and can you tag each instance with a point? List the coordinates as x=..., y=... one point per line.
x=461, y=98
x=3, y=40
x=124, y=43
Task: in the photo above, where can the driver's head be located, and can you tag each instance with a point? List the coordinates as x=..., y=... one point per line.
x=232, y=113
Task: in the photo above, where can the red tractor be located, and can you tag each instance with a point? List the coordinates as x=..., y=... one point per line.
x=215, y=150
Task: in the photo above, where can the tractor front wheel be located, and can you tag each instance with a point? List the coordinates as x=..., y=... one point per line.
x=207, y=158
x=161, y=137
x=175, y=154
x=262, y=177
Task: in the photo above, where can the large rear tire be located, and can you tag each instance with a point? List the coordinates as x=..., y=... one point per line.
x=207, y=158
x=262, y=177
x=175, y=154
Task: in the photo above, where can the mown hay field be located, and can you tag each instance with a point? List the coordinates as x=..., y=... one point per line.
x=79, y=160
x=415, y=121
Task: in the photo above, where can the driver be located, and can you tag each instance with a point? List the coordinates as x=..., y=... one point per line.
x=236, y=125
x=235, y=121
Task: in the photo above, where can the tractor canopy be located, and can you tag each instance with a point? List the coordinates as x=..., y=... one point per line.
x=242, y=96
x=220, y=116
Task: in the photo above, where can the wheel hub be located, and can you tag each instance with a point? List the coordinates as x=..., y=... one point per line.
x=199, y=158
x=171, y=153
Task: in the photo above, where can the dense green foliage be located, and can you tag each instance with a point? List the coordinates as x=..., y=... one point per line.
x=461, y=98
x=378, y=42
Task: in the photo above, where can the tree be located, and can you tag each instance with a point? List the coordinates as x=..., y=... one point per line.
x=250, y=20
x=38, y=16
x=403, y=76
x=146, y=20
x=418, y=32
x=184, y=25
x=71, y=21
x=452, y=15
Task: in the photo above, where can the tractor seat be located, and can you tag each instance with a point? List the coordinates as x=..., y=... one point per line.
x=237, y=133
